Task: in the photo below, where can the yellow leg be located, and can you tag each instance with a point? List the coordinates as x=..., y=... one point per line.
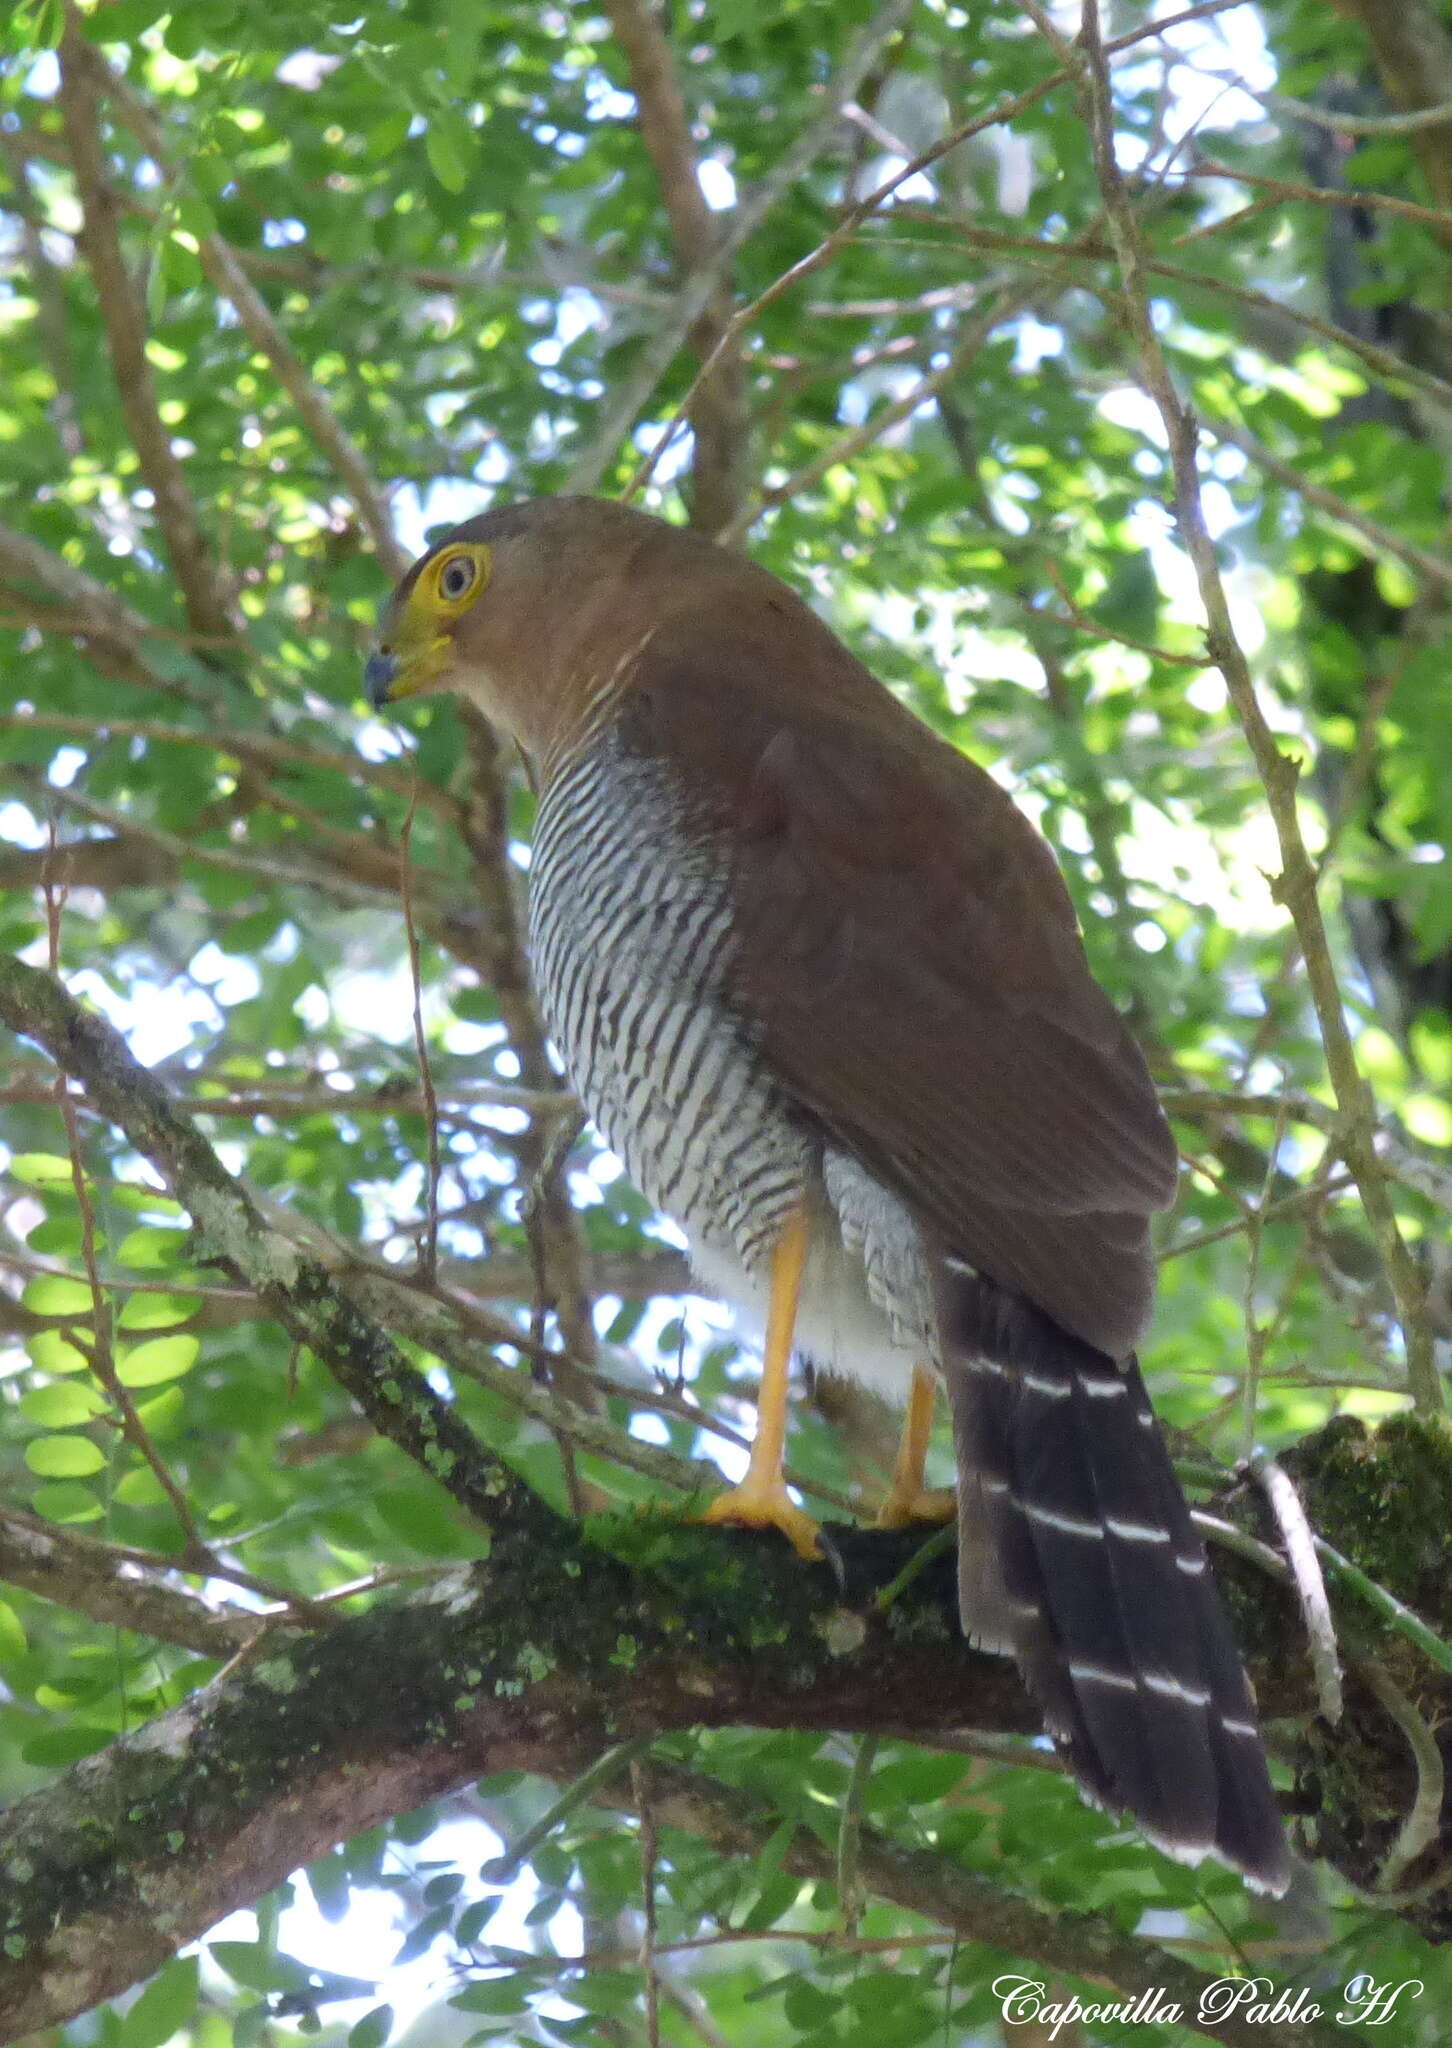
x=906, y=1499
x=761, y=1501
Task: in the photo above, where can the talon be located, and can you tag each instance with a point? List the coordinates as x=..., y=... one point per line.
x=765, y=1505
x=907, y=1500
x=903, y=1506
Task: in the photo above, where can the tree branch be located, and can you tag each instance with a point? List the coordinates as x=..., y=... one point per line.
x=119, y=1587
x=205, y=590
x=1295, y=887
x=534, y=1661
x=857, y=61
x=303, y=1296
x=227, y=274
x=720, y=412
x=558, y=1648
x=1414, y=56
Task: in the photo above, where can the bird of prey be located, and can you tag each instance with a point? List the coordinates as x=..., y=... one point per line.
x=819, y=984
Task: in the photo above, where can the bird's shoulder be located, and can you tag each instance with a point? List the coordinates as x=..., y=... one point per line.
x=841, y=808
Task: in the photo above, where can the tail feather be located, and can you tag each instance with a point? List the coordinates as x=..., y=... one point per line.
x=1077, y=1552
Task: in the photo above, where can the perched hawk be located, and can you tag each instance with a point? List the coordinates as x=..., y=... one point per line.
x=819, y=984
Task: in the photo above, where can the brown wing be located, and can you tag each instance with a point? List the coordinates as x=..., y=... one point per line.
x=907, y=958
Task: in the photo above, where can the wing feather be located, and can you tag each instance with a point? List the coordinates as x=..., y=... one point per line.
x=906, y=957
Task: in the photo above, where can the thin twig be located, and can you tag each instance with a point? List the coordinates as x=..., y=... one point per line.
x=100, y=1352
x=1255, y=1332
x=621, y=1756
x=889, y=416
x=1331, y=118
x=428, y=1263
x=944, y=1891
x=1357, y=196
x=117, y=1585
x=1423, y=1821
x=587, y=471
x=1393, y=1611
x=230, y=280
x=273, y=750
x=849, y=1833
x=649, y=1852
x=1300, y=1548
x=720, y=414
x=206, y=589
x=857, y=61
x=1437, y=569
x=111, y=630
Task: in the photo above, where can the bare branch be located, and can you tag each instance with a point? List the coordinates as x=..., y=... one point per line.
x=720, y=412
x=860, y=56
x=206, y=591
x=1299, y=1543
x=1423, y=1823
x=116, y=1586
x=512, y=1665
x=227, y=274
x=1414, y=56
x=76, y=604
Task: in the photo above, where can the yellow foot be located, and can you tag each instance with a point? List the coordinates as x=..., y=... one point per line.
x=902, y=1506
x=766, y=1505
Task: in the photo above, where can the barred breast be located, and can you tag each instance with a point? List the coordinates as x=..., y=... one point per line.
x=630, y=931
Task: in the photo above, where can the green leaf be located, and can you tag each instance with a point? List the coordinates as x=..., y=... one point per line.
x=144, y=1200
x=421, y=1517
x=37, y=1169
x=63, y=1406
x=56, y=1296
x=49, y=1351
x=12, y=1635
x=66, y=1501
x=163, y=1415
x=164, y=1358
x=164, y=2007
x=150, y=1246
x=373, y=2029
x=64, y=1457
x=474, y=1919
x=139, y=1488
x=449, y=145
x=493, y=1994
x=328, y=1882
x=59, y=1237
x=57, y=1747
x=157, y=1311
x=258, y=1966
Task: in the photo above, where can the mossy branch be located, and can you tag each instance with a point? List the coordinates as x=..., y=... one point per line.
x=573, y=1638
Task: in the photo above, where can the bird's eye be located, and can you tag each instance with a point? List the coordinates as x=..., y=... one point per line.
x=456, y=579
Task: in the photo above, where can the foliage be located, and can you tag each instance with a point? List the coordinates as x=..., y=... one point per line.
x=278, y=266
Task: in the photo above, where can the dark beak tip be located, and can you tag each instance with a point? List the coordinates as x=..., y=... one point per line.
x=378, y=679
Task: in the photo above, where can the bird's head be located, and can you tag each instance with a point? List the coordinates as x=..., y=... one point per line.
x=418, y=647
x=526, y=609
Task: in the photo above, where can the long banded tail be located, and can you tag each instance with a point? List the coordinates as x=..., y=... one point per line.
x=1077, y=1554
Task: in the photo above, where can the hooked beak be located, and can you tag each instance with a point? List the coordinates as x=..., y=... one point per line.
x=393, y=673
x=378, y=679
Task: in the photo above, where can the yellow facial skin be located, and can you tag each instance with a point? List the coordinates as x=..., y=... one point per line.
x=418, y=635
